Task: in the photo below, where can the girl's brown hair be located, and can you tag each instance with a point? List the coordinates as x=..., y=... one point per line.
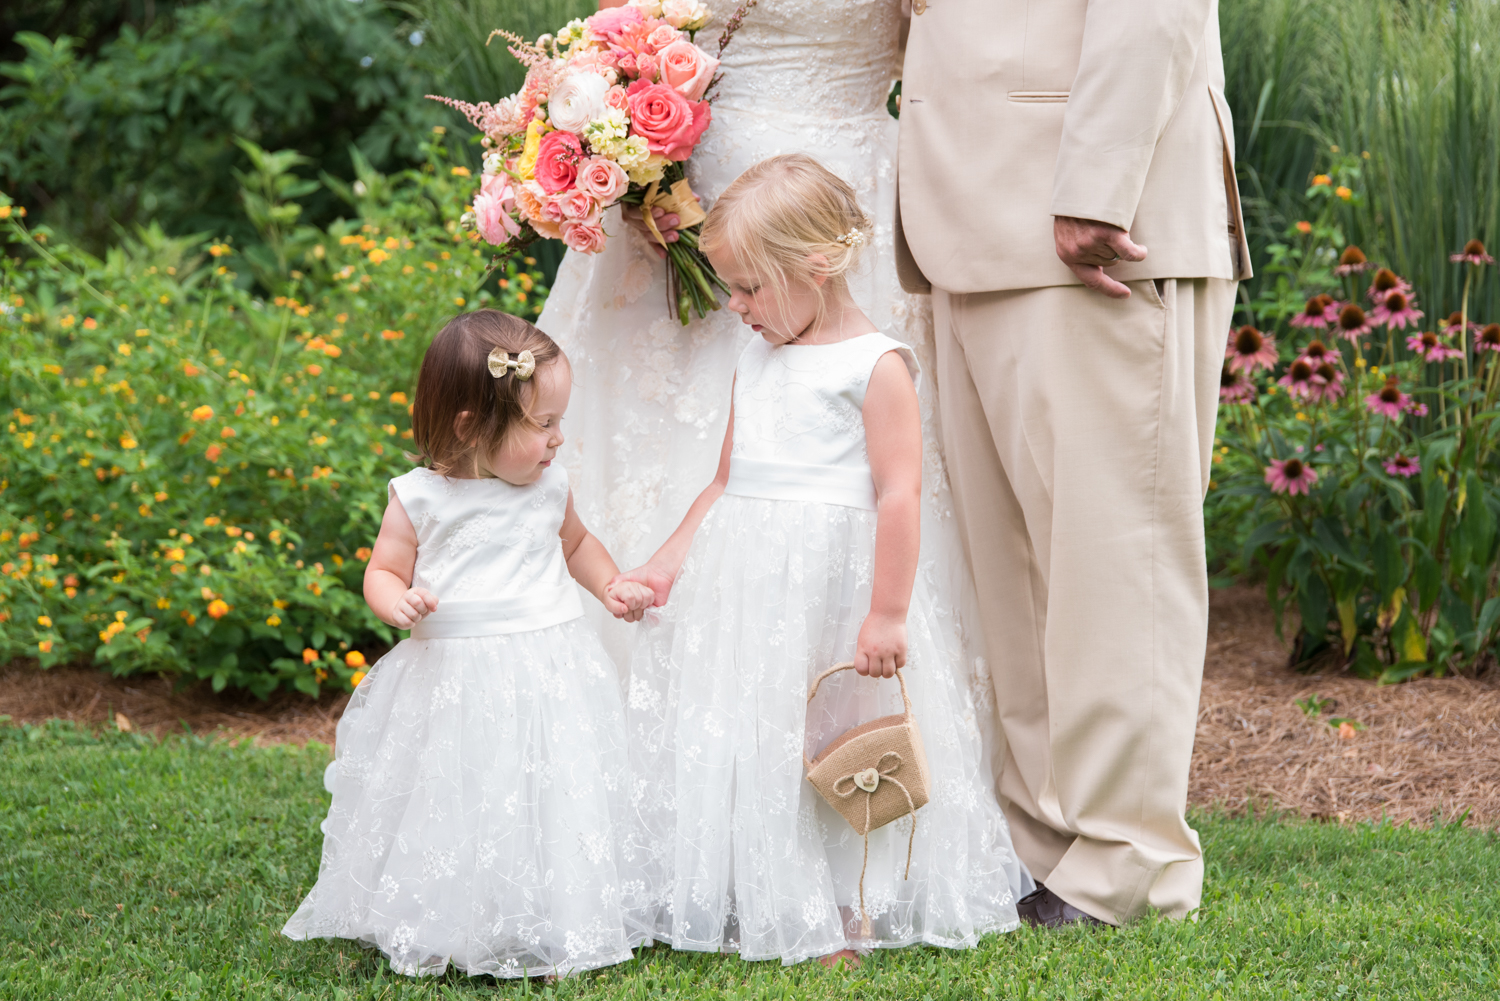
x=455, y=378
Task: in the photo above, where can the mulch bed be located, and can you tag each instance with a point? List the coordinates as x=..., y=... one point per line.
x=1429, y=750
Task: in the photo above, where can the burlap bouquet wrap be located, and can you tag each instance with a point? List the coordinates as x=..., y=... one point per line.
x=873, y=774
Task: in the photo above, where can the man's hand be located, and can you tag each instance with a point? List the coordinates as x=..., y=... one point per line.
x=628, y=600
x=666, y=224
x=412, y=607
x=1088, y=247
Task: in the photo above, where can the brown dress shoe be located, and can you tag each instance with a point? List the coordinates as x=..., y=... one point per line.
x=1044, y=909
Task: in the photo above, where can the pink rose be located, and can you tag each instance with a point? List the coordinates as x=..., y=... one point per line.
x=625, y=63
x=602, y=179
x=612, y=21
x=583, y=237
x=493, y=220
x=499, y=186
x=557, y=161
x=663, y=35
x=671, y=126
x=535, y=206
x=645, y=65
x=574, y=204
x=615, y=98
x=687, y=69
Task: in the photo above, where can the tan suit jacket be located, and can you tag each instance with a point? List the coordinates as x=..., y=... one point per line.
x=1015, y=111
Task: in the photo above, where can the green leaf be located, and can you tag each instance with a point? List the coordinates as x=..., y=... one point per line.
x=1313, y=601
x=1390, y=570
x=1488, y=616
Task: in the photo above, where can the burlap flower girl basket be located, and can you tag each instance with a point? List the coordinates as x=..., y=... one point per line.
x=872, y=775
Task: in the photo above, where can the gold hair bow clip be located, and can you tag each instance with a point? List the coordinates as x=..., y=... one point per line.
x=853, y=238
x=501, y=364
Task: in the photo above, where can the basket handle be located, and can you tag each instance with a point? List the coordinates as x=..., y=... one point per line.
x=848, y=665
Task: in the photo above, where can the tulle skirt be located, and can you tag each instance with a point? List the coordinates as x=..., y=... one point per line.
x=729, y=848
x=478, y=791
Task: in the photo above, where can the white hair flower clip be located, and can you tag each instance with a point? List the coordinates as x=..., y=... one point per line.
x=853, y=239
x=501, y=364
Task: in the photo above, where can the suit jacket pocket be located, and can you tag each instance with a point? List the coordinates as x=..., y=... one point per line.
x=1038, y=96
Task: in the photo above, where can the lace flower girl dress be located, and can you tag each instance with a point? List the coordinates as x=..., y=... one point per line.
x=480, y=769
x=731, y=848
x=644, y=430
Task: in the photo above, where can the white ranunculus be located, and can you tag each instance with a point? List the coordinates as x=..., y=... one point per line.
x=576, y=101
x=650, y=8
x=688, y=15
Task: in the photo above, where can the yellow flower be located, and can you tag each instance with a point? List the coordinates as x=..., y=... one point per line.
x=356, y=678
x=526, y=166
x=43, y=620
x=127, y=442
x=309, y=655
x=460, y=171
x=1322, y=180
x=1343, y=192
x=218, y=608
x=273, y=621
x=203, y=413
x=124, y=349
x=378, y=256
x=163, y=603
x=354, y=658
x=45, y=646
x=398, y=398
x=4, y=211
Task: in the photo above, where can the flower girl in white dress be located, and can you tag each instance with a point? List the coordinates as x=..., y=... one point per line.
x=801, y=554
x=479, y=780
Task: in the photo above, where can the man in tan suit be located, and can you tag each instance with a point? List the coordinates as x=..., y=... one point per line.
x=1067, y=191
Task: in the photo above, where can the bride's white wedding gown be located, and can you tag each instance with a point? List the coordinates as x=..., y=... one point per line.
x=651, y=397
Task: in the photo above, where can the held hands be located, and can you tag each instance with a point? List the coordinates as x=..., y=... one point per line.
x=414, y=605
x=666, y=224
x=1088, y=247
x=881, y=647
x=654, y=578
x=628, y=599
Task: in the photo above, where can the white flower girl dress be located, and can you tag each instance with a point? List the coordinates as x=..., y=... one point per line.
x=734, y=849
x=479, y=777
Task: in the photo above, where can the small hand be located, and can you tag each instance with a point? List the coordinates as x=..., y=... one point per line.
x=412, y=607
x=628, y=600
x=1088, y=247
x=881, y=647
x=666, y=225
x=654, y=577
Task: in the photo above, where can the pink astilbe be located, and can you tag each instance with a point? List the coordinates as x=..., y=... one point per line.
x=1290, y=476
x=1400, y=465
x=1432, y=347
x=1396, y=310
x=1249, y=349
x=1389, y=401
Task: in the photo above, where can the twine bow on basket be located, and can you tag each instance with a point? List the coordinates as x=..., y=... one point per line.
x=867, y=781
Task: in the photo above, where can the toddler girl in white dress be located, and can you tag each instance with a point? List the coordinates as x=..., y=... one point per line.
x=479, y=779
x=801, y=554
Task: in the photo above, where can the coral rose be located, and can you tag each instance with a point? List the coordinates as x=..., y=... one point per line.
x=670, y=124
x=663, y=35
x=574, y=204
x=687, y=69
x=583, y=237
x=603, y=179
x=557, y=161
x=533, y=202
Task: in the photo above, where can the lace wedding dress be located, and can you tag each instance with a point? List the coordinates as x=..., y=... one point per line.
x=729, y=847
x=652, y=397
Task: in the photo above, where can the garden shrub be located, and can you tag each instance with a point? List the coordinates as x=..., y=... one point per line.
x=1357, y=455
x=192, y=474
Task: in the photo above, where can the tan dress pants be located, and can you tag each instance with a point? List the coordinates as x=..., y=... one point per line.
x=1078, y=431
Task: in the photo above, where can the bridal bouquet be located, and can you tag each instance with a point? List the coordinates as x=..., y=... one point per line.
x=612, y=107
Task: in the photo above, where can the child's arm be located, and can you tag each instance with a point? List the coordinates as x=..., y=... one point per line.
x=661, y=569
x=388, y=589
x=893, y=435
x=591, y=565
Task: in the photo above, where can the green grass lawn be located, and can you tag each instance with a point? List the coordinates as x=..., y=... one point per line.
x=130, y=869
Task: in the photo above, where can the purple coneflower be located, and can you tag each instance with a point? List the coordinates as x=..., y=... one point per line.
x=1327, y=383
x=1488, y=339
x=1385, y=282
x=1290, y=476
x=1235, y=387
x=1351, y=261
x=1249, y=349
x=1298, y=379
x=1432, y=347
x=1415, y=407
x=1455, y=322
x=1320, y=311
x=1396, y=310
x=1389, y=401
x=1400, y=465
x=1353, y=323
x=1473, y=253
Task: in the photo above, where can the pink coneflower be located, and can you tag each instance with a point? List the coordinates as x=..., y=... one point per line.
x=1353, y=323
x=1298, y=379
x=1235, y=387
x=1396, y=310
x=1316, y=353
x=1385, y=282
x=1320, y=311
x=1327, y=383
x=1432, y=347
x=1416, y=408
x=1455, y=322
x=1351, y=261
x=1473, y=253
x=1290, y=476
x=1488, y=339
x=1249, y=349
x=1389, y=401
x=1400, y=465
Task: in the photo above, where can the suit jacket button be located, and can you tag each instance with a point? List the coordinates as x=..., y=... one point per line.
x=919, y=6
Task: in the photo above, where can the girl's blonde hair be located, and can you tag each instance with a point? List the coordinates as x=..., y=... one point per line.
x=790, y=219
x=455, y=377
